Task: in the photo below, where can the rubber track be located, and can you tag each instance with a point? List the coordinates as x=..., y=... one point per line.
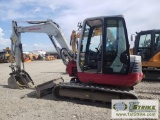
x=98, y=88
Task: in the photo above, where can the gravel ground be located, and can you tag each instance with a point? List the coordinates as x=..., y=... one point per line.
x=22, y=104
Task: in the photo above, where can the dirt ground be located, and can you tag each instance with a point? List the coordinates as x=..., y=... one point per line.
x=22, y=104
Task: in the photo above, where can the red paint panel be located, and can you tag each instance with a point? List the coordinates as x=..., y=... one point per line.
x=111, y=79
x=72, y=69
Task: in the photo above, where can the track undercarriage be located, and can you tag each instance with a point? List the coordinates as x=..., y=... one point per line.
x=84, y=91
x=151, y=74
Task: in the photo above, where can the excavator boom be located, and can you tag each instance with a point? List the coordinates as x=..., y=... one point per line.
x=20, y=77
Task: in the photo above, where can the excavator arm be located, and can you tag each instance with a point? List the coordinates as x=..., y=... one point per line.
x=19, y=77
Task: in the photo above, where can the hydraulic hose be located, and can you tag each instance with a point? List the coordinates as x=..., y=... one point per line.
x=66, y=55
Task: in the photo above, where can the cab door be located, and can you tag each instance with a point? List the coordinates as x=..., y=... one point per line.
x=144, y=44
x=116, y=57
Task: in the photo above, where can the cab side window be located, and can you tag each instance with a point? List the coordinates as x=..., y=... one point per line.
x=157, y=41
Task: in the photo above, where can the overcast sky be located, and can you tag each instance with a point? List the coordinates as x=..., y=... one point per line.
x=139, y=15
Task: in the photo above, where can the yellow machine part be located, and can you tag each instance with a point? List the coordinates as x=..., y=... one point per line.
x=131, y=51
x=7, y=54
x=153, y=62
x=96, y=33
x=6, y=59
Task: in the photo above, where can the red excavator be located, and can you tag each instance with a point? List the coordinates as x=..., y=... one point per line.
x=101, y=70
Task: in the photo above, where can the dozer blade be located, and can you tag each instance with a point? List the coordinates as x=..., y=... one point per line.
x=46, y=88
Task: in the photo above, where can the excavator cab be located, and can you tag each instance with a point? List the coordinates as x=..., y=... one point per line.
x=104, y=46
x=103, y=56
x=147, y=45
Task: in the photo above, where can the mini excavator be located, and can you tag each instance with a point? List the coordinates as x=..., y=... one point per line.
x=147, y=45
x=101, y=70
